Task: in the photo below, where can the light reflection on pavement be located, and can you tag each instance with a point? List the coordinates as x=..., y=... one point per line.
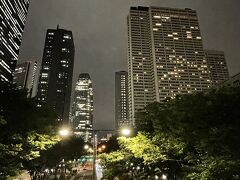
x=99, y=173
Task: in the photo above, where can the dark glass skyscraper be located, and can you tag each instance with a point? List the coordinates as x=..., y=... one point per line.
x=55, y=81
x=13, y=15
x=82, y=110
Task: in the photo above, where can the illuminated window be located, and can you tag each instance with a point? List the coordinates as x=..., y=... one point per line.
x=44, y=75
x=157, y=17
x=67, y=36
x=158, y=24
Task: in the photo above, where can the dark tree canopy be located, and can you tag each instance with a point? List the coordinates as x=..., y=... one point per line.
x=209, y=120
x=25, y=129
x=194, y=136
x=207, y=123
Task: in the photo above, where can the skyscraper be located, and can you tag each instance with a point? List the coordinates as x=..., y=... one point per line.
x=12, y=21
x=217, y=66
x=121, y=99
x=165, y=55
x=55, y=81
x=82, y=110
x=25, y=76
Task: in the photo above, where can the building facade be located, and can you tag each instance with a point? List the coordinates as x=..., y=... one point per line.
x=82, y=109
x=165, y=55
x=217, y=66
x=121, y=99
x=12, y=21
x=25, y=77
x=55, y=80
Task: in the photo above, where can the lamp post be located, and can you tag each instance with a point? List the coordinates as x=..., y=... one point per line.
x=125, y=131
x=64, y=132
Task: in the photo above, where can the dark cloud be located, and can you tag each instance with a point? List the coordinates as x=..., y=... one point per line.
x=100, y=36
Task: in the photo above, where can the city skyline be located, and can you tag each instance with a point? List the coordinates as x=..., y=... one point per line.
x=90, y=40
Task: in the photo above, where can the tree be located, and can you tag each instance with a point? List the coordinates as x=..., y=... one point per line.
x=25, y=129
x=194, y=136
x=112, y=144
x=68, y=149
x=207, y=124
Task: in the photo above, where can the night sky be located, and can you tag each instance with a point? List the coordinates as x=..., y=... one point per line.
x=100, y=35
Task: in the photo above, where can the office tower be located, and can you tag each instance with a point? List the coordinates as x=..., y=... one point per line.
x=12, y=21
x=55, y=81
x=121, y=99
x=82, y=109
x=25, y=77
x=217, y=66
x=165, y=55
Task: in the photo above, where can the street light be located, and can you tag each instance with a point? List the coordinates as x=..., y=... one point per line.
x=64, y=132
x=164, y=177
x=86, y=147
x=125, y=131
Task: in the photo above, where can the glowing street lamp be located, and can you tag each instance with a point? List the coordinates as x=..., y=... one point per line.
x=86, y=146
x=64, y=132
x=126, y=131
x=164, y=177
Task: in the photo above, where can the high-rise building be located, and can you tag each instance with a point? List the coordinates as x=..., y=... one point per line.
x=217, y=66
x=165, y=55
x=55, y=80
x=121, y=99
x=12, y=21
x=25, y=76
x=82, y=109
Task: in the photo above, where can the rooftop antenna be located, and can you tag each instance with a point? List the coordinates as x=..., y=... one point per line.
x=58, y=26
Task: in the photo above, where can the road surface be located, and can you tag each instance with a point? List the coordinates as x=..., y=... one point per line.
x=83, y=175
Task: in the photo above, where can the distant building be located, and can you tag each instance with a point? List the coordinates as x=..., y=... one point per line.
x=217, y=66
x=25, y=76
x=121, y=99
x=12, y=21
x=165, y=55
x=233, y=81
x=82, y=109
x=105, y=138
x=55, y=81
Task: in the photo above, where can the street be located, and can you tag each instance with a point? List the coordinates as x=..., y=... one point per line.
x=83, y=175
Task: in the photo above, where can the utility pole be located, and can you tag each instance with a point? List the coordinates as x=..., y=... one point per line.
x=94, y=153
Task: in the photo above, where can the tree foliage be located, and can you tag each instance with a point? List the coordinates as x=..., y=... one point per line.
x=25, y=129
x=194, y=136
x=67, y=149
